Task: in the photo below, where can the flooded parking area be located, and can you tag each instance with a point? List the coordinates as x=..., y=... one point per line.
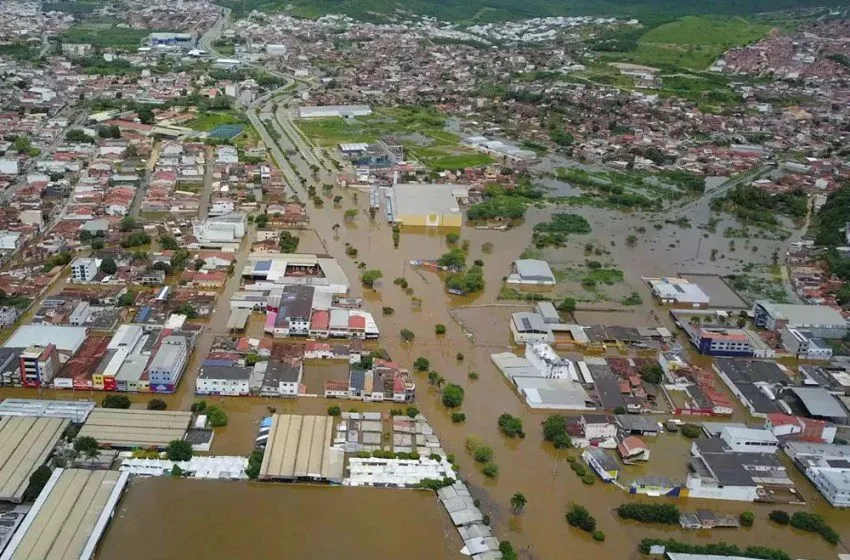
x=167, y=518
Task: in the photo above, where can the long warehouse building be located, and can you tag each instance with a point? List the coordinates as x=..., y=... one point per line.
x=129, y=428
x=299, y=448
x=26, y=443
x=69, y=516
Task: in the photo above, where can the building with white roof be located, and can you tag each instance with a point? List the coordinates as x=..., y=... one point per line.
x=544, y=358
x=749, y=440
x=220, y=232
x=532, y=271
x=820, y=320
x=432, y=205
x=330, y=111
x=273, y=270
x=678, y=292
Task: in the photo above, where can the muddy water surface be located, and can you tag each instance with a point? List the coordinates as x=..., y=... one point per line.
x=206, y=510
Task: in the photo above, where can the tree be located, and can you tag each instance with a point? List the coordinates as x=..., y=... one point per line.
x=578, y=516
x=598, y=536
x=216, y=416
x=407, y=335
x=334, y=410
x=262, y=220
x=97, y=244
x=169, y=243
x=779, y=516
x=452, y=238
x=199, y=264
x=567, y=305
x=458, y=417
x=157, y=404
x=350, y=214
x=288, y=242
x=411, y=411
x=127, y=300
x=87, y=447
x=510, y=425
x=108, y=266
x=482, y=454
x=440, y=329
x=453, y=396
x=127, y=223
x=747, y=518
x=38, y=479
x=255, y=462
x=186, y=309
x=507, y=550
x=454, y=259
x=421, y=364
x=178, y=450
x=555, y=431
x=198, y=407
x=145, y=115
x=691, y=431
x=115, y=401
x=518, y=502
x=652, y=372
x=370, y=276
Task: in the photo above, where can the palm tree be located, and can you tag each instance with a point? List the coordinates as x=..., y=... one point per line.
x=518, y=502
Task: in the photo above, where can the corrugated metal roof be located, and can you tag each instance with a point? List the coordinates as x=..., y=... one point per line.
x=25, y=444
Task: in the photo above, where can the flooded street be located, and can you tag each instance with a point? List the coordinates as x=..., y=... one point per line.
x=219, y=520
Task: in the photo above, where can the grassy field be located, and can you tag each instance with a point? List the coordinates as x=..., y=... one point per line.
x=693, y=41
x=419, y=130
x=208, y=121
x=105, y=36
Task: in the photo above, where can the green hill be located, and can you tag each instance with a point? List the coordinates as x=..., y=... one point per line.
x=501, y=10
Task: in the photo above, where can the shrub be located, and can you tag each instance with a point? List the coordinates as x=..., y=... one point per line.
x=115, y=401
x=478, y=262
x=779, y=516
x=157, y=404
x=510, y=426
x=747, y=518
x=334, y=410
x=473, y=375
x=407, y=335
x=598, y=536
x=507, y=550
x=459, y=356
x=588, y=479
x=814, y=523
x=458, y=417
x=490, y=470
x=650, y=512
x=453, y=396
x=483, y=454
x=440, y=329
x=421, y=364
x=578, y=516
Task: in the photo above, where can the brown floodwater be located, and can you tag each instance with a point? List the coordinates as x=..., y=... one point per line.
x=217, y=519
x=527, y=465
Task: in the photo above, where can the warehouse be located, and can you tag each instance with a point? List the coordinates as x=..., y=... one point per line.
x=69, y=516
x=330, y=111
x=75, y=411
x=129, y=428
x=26, y=443
x=821, y=321
x=432, y=205
x=299, y=448
x=532, y=271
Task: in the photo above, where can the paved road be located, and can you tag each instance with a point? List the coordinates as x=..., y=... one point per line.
x=206, y=192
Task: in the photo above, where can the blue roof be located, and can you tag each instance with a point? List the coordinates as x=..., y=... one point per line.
x=142, y=315
x=226, y=131
x=264, y=266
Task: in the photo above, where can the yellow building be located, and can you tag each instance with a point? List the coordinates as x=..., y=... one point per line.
x=429, y=205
